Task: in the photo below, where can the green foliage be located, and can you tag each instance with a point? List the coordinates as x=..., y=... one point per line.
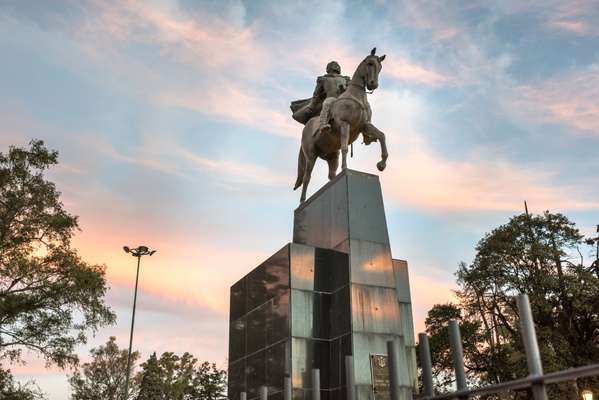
x=104, y=377
x=169, y=377
x=533, y=255
x=49, y=297
x=152, y=385
x=181, y=378
x=10, y=390
x=208, y=383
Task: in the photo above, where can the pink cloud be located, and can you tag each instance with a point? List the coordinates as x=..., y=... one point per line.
x=405, y=71
x=572, y=16
x=569, y=99
x=484, y=179
x=236, y=103
x=190, y=269
x=575, y=16
x=242, y=172
x=201, y=40
x=578, y=27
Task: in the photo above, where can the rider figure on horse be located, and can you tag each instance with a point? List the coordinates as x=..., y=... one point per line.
x=328, y=88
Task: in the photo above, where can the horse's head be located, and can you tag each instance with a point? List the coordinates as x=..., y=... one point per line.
x=370, y=68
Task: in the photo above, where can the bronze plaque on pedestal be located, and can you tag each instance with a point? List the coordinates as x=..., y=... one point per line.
x=379, y=368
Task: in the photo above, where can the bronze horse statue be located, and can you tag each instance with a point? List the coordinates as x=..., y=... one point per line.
x=349, y=117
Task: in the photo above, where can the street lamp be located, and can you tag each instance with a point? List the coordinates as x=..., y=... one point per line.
x=587, y=395
x=138, y=252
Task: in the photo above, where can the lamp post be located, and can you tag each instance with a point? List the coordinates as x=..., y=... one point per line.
x=587, y=395
x=138, y=252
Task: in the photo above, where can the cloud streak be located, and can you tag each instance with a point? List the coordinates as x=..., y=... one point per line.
x=485, y=179
x=569, y=99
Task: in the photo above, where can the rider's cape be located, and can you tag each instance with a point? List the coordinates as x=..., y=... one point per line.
x=297, y=104
x=303, y=110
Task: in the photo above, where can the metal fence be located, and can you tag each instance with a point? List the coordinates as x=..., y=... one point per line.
x=536, y=381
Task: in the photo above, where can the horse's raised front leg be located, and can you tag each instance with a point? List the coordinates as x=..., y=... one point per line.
x=374, y=132
x=344, y=135
x=310, y=161
x=333, y=165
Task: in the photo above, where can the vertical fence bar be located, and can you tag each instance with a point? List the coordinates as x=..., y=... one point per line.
x=243, y=396
x=427, y=365
x=287, y=390
x=531, y=346
x=315, y=384
x=455, y=342
x=393, y=362
x=350, y=379
x=263, y=393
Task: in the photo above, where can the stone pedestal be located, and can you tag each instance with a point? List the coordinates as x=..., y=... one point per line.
x=334, y=291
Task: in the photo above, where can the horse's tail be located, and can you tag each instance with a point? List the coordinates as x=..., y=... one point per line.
x=301, y=167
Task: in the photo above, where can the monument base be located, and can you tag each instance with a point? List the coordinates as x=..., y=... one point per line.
x=334, y=291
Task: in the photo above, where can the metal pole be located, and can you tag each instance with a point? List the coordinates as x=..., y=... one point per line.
x=126, y=395
x=455, y=342
x=287, y=393
x=350, y=379
x=315, y=384
x=263, y=393
x=427, y=365
x=531, y=346
x=393, y=358
x=243, y=396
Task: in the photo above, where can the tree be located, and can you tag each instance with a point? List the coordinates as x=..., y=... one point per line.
x=538, y=255
x=152, y=381
x=103, y=378
x=10, y=390
x=208, y=383
x=181, y=378
x=170, y=377
x=49, y=297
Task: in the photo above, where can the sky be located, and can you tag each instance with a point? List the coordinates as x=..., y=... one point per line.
x=173, y=126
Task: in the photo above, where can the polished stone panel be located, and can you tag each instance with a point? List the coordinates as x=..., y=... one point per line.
x=256, y=328
x=349, y=206
x=237, y=300
x=302, y=267
x=255, y=373
x=371, y=263
x=407, y=323
x=276, y=366
x=236, y=378
x=366, y=210
x=301, y=314
x=277, y=318
x=332, y=270
x=237, y=339
x=402, y=281
x=375, y=310
x=340, y=313
x=327, y=207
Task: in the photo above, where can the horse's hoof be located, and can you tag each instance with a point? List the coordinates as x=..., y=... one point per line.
x=381, y=165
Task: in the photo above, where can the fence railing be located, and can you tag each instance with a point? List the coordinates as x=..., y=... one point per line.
x=536, y=381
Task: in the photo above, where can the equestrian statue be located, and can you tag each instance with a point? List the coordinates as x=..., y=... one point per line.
x=335, y=116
